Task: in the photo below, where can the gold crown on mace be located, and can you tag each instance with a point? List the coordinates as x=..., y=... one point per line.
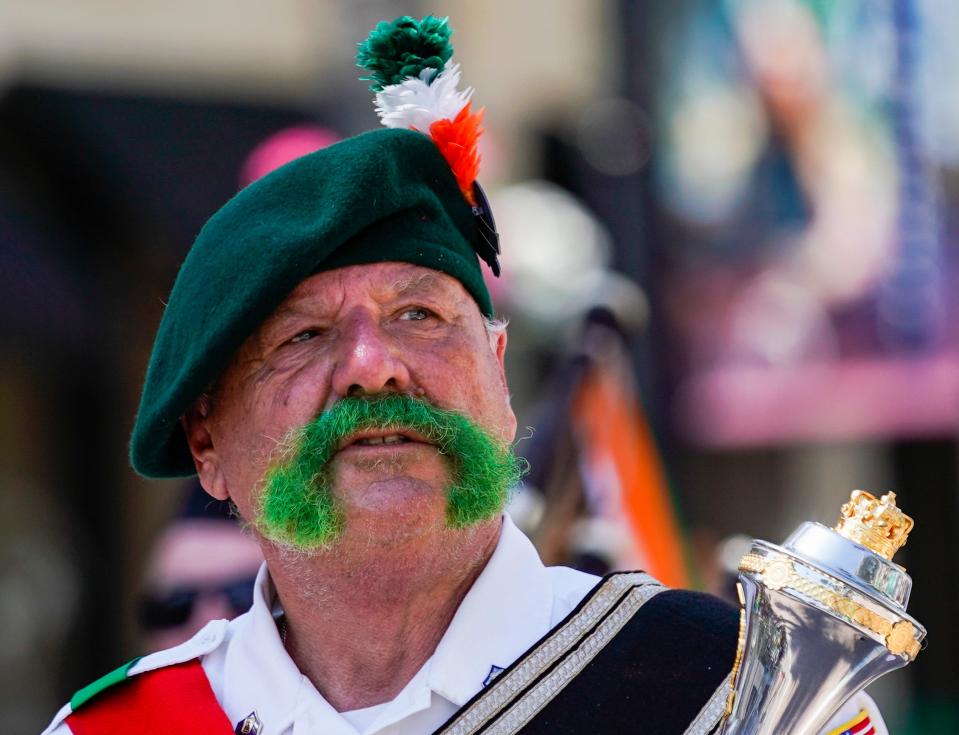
x=876, y=524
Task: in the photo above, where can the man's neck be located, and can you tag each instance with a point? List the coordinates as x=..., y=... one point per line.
x=360, y=628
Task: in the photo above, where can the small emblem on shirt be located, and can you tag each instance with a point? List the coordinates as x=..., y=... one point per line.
x=494, y=671
x=249, y=725
x=858, y=725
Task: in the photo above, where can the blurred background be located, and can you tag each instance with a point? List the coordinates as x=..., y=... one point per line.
x=730, y=268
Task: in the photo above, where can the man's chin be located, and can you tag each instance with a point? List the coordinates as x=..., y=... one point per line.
x=411, y=533
x=393, y=507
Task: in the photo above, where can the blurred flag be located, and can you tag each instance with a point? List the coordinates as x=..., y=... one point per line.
x=625, y=482
x=858, y=725
x=596, y=476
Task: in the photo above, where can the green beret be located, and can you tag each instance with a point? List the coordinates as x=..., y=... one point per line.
x=387, y=195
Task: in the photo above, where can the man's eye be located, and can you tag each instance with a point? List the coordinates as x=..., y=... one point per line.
x=304, y=336
x=416, y=314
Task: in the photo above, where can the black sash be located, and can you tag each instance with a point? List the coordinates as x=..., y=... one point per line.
x=632, y=657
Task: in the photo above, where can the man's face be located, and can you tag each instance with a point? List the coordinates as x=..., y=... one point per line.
x=356, y=331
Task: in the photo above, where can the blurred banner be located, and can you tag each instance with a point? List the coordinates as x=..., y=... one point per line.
x=810, y=273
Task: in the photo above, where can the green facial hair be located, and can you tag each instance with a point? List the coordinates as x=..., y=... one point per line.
x=297, y=507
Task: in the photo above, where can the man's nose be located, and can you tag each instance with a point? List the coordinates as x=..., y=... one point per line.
x=369, y=361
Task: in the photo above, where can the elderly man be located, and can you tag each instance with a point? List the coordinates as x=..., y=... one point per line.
x=329, y=362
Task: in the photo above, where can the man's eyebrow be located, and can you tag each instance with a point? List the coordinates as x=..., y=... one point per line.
x=282, y=315
x=418, y=284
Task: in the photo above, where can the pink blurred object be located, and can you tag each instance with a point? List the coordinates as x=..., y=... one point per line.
x=747, y=406
x=282, y=147
x=498, y=287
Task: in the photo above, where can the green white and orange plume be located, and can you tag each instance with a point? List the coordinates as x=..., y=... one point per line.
x=417, y=87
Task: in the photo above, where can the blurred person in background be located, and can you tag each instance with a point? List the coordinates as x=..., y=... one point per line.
x=329, y=362
x=201, y=568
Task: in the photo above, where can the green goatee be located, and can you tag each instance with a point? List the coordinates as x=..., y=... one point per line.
x=298, y=509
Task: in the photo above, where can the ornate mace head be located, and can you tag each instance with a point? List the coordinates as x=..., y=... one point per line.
x=876, y=524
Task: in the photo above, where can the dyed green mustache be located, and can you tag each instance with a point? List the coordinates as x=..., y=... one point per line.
x=298, y=508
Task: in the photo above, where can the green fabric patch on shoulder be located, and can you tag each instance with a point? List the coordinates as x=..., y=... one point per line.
x=104, y=682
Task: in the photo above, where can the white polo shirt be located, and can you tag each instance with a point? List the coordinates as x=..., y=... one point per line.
x=513, y=603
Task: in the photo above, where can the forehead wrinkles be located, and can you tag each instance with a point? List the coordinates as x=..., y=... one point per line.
x=438, y=285
x=311, y=297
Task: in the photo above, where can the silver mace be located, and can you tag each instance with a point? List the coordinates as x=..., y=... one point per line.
x=823, y=616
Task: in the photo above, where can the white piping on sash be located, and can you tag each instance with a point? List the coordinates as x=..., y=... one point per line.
x=712, y=712
x=641, y=587
x=523, y=710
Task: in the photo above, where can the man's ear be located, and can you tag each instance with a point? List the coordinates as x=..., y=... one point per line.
x=196, y=426
x=498, y=340
x=499, y=348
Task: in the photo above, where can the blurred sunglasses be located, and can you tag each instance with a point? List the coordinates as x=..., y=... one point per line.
x=174, y=608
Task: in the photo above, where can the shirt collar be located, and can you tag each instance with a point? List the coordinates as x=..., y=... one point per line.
x=507, y=609
x=258, y=671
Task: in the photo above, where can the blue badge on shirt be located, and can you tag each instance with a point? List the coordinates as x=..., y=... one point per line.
x=494, y=671
x=249, y=725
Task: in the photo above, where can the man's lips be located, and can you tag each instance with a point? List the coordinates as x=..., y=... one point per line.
x=382, y=438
